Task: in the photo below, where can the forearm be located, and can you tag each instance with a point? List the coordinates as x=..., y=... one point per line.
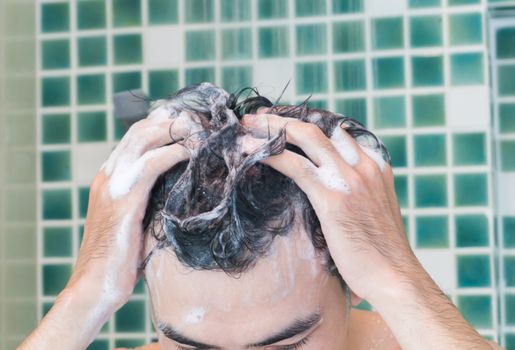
x=422, y=317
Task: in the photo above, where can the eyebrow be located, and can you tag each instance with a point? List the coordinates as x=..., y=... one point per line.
x=299, y=326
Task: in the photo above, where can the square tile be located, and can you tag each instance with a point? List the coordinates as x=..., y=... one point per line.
x=91, y=126
x=166, y=56
x=235, y=78
x=311, y=77
x=396, y=146
x=129, y=343
x=236, y=44
x=131, y=317
x=430, y=150
x=424, y=3
x=99, y=344
x=235, y=10
x=427, y=70
x=471, y=230
x=432, y=232
x=465, y=29
x=91, y=89
x=55, y=54
x=467, y=69
x=348, y=36
x=92, y=51
x=426, y=31
x=55, y=17
x=473, y=271
x=91, y=14
x=273, y=42
x=430, y=191
x=200, y=45
x=508, y=229
x=198, y=11
x=509, y=301
x=462, y=2
x=347, y=6
x=55, y=91
x=126, y=13
x=55, y=277
x=476, y=309
x=306, y=8
x=199, y=75
x=428, y=110
x=55, y=166
x=388, y=72
x=505, y=43
x=509, y=271
x=389, y=112
x=124, y=81
x=506, y=118
x=270, y=9
x=56, y=128
x=506, y=80
x=311, y=39
x=507, y=155
x=401, y=190
x=470, y=189
x=127, y=49
x=57, y=241
x=162, y=83
x=355, y=108
x=468, y=108
x=274, y=74
x=388, y=33
x=83, y=201
x=163, y=12
x=469, y=149
x=381, y=7
x=350, y=75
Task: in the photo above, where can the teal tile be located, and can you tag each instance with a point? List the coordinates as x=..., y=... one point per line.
x=427, y=70
x=235, y=78
x=347, y=6
x=55, y=278
x=119, y=129
x=91, y=126
x=126, y=13
x=127, y=49
x=471, y=230
x=476, y=309
x=509, y=301
x=269, y=9
x=463, y=2
x=55, y=128
x=364, y=305
x=465, y=29
x=509, y=271
x=507, y=118
x=236, y=44
x=162, y=83
x=198, y=11
x=55, y=166
x=473, y=271
x=509, y=341
x=430, y=150
x=163, y=12
x=57, y=241
x=321, y=104
x=55, y=17
x=91, y=14
x=126, y=81
x=467, y=69
x=424, y=3
x=469, y=149
x=200, y=45
x=432, y=232
x=91, y=89
x=273, y=42
x=129, y=343
x=396, y=146
x=470, y=189
x=99, y=344
x=55, y=54
x=353, y=107
x=235, y=10
x=428, y=110
x=348, y=36
x=55, y=91
x=430, y=191
x=350, y=75
x=425, y=31
x=46, y=307
x=401, y=189
x=505, y=43
x=199, y=75
x=388, y=33
x=83, y=201
x=131, y=317
x=311, y=77
x=388, y=72
x=92, y=51
x=506, y=80
x=507, y=155
x=389, y=112
x=139, y=288
x=57, y=204
x=508, y=228
x=311, y=39
x=306, y=8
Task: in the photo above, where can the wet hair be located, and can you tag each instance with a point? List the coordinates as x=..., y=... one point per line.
x=221, y=209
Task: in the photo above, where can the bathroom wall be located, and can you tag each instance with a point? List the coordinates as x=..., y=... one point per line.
x=417, y=72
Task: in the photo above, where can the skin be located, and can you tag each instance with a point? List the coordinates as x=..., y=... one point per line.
x=363, y=229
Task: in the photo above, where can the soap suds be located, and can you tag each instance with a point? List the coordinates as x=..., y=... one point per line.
x=196, y=315
x=344, y=147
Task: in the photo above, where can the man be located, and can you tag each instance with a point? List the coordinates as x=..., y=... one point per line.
x=255, y=227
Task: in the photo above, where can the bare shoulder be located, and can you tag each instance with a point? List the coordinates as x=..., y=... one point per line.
x=368, y=330
x=151, y=346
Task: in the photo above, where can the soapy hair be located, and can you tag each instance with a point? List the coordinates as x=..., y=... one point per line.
x=221, y=209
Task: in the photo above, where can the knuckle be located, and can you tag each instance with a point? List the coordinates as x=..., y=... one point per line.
x=369, y=168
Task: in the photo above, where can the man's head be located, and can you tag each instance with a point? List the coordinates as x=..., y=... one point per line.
x=235, y=253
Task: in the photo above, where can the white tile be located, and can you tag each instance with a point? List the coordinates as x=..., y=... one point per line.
x=163, y=46
x=439, y=263
x=384, y=7
x=87, y=160
x=468, y=108
x=506, y=193
x=271, y=76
